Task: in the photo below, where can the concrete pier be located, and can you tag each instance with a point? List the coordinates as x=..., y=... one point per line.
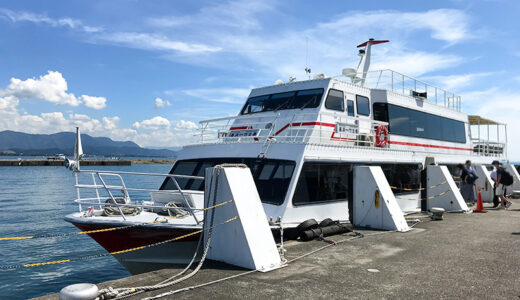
x=463, y=256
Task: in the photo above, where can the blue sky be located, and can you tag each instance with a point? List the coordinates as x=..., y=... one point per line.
x=148, y=71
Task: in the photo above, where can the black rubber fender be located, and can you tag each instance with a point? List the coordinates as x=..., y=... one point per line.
x=326, y=222
x=305, y=225
x=312, y=234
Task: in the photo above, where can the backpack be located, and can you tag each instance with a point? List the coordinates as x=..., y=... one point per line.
x=506, y=179
x=471, y=178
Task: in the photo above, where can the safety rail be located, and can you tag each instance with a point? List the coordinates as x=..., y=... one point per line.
x=101, y=176
x=314, y=128
x=403, y=84
x=488, y=148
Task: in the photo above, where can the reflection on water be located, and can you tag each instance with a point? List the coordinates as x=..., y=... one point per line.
x=33, y=201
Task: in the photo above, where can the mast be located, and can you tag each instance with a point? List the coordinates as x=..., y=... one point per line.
x=364, y=62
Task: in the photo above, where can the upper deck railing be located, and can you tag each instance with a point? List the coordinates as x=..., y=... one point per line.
x=403, y=84
x=324, y=128
x=312, y=128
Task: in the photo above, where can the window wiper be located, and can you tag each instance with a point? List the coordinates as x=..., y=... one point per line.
x=308, y=102
x=281, y=105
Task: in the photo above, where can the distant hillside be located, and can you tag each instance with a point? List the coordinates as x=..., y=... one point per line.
x=63, y=142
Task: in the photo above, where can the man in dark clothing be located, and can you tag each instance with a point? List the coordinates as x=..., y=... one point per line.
x=500, y=188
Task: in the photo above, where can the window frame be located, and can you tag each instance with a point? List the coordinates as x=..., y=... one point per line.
x=244, y=107
x=250, y=162
x=321, y=163
x=357, y=105
x=353, y=112
x=449, y=130
x=342, y=97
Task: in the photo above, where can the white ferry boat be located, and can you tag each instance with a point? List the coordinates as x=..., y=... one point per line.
x=301, y=140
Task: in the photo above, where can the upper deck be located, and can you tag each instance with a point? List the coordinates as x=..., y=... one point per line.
x=314, y=116
x=384, y=110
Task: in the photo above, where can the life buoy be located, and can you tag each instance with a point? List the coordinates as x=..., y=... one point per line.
x=381, y=141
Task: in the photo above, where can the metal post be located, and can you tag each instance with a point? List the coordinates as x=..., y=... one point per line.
x=403, y=84
x=77, y=190
x=97, y=191
x=111, y=196
x=392, y=75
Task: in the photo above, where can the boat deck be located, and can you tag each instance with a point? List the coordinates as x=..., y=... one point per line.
x=463, y=256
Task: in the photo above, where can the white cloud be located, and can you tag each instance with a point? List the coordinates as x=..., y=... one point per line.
x=51, y=87
x=224, y=95
x=160, y=103
x=94, y=102
x=154, y=123
x=458, y=81
x=185, y=125
x=23, y=16
x=156, y=42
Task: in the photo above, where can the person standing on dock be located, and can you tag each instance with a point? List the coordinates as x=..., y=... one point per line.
x=468, y=177
x=503, y=180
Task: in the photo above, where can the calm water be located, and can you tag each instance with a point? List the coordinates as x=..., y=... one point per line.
x=33, y=201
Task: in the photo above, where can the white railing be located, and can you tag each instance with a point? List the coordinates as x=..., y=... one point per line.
x=488, y=148
x=99, y=184
x=316, y=128
x=406, y=85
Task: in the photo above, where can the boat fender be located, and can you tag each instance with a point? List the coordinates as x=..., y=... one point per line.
x=326, y=222
x=305, y=225
x=311, y=234
x=381, y=141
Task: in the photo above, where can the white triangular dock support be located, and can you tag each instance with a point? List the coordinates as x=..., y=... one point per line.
x=369, y=211
x=247, y=241
x=443, y=195
x=485, y=183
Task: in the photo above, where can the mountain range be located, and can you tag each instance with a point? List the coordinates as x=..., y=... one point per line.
x=12, y=142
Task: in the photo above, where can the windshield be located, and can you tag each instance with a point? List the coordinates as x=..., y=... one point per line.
x=288, y=100
x=271, y=176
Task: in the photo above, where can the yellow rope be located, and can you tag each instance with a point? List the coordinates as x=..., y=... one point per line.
x=113, y=228
x=126, y=250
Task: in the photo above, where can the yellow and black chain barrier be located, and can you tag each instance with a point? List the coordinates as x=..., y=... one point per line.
x=419, y=189
x=426, y=198
x=115, y=252
x=100, y=230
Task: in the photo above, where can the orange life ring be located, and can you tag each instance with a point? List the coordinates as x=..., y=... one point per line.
x=381, y=142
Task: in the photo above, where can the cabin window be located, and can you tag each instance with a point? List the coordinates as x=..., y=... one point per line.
x=380, y=112
x=350, y=108
x=280, y=101
x=322, y=182
x=335, y=100
x=271, y=176
x=255, y=104
x=363, y=105
x=403, y=177
x=413, y=123
x=306, y=99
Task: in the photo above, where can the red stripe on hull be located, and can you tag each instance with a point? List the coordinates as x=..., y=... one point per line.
x=428, y=146
x=123, y=239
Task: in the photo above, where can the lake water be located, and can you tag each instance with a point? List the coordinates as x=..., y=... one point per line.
x=33, y=201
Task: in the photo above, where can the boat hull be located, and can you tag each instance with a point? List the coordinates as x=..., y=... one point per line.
x=150, y=258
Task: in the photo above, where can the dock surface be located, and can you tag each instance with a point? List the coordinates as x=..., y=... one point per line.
x=464, y=256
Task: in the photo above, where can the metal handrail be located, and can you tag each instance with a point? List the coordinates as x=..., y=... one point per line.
x=124, y=189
